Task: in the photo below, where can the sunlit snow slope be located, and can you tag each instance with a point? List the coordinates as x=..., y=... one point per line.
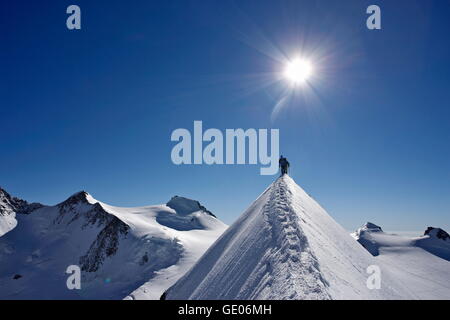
x=117, y=249
x=285, y=246
x=421, y=265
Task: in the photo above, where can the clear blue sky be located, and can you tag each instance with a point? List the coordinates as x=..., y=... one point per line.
x=94, y=109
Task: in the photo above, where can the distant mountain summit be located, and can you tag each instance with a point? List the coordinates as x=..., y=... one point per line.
x=437, y=233
x=369, y=226
x=372, y=237
x=9, y=207
x=420, y=264
x=9, y=204
x=122, y=252
x=362, y=235
x=186, y=206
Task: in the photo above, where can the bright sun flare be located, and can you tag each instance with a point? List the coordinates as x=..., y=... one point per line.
x=298, y=71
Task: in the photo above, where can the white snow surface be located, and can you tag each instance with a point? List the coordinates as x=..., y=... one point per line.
x=7, y=222
x=7, y=215
x=419, y=264
x=284, y=246
x=123, y=247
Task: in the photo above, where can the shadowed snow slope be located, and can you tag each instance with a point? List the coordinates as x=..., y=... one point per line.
x=285, y=246
x=420, y=264
x=117, y=249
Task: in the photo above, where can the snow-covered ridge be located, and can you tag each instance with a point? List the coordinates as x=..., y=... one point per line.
x=373, y=238
x=118, y=249
x=369, y=226
x=419, y=264
x=9, y=207
x=437, y=233
x=362, y=235
x=9, y=204
x=185, y=206
x=284, y=246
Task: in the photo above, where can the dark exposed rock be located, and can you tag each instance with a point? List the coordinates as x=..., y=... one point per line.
x=105, y=245
x=78, y=197
x=9, y=204
x=438, y=233
x=70, y=205
x=186, y=206
x=372, y=227
x=144, y=259
x=367, y=242
x=107, y=241
x=93, y=213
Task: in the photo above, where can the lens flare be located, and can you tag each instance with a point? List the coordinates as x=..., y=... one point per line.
x=298, y=71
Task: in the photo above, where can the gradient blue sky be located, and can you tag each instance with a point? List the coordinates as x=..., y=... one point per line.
x=94, y=109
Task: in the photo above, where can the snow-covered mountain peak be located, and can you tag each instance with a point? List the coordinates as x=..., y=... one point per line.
x=2, y=193
x=82, y=204
x=284, y=246
x=9, y=204
x=437, y=233
x=369, y=227
x=185, y=206
x=372, y=227
x=419, y=264
x=79, y=197
x=117, y=249
x=9, y=207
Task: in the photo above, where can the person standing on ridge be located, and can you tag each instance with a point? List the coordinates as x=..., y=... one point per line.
x=283, y=164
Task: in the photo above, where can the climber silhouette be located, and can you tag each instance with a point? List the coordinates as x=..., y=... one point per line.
x=283, y=164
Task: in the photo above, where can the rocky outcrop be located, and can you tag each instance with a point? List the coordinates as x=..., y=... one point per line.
x=105, y=245
x=82, y=207
x=437, y=233
x=9, y=207
x=9, y=204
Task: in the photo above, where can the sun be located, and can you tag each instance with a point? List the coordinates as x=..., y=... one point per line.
x=298, y=71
